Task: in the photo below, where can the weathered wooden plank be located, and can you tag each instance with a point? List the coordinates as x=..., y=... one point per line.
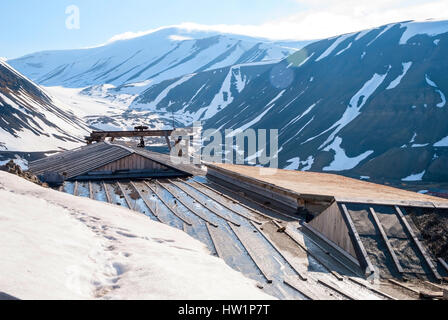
x=402, y=285
x=417, y=243
x=204, y=204
x=357, y=241
x=335, y=247
x=126, y=197
x=146, y=202
x=405, y=203
x=222, y=203
x=336, y=289
x=106, y=191
x=385, y=295
x=240, y=203
x=301, y=274
x=215, y=242
x=315, y=257
x=443, y=263
x=168, y=205
x=232, y=182
x=91, y=195
x=75, y=189
x=303, y=291
x=185, y=204
x=386, y=240
x=253, y=255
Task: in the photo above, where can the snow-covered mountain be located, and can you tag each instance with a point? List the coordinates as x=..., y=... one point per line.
x=368, y=104
x=160, y=55
x=30, y=120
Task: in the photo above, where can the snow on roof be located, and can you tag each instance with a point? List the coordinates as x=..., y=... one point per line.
x=56, y=246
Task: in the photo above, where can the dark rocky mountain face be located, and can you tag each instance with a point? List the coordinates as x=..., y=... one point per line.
x=30, y=120
x=368, y=104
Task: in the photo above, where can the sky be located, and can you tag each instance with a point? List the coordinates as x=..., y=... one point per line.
x=36, y=25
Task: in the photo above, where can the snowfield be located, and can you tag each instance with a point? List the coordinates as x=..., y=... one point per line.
x=56, y=246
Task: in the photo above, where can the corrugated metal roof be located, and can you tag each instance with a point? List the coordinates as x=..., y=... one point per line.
x=79, y=161
x=88, y=158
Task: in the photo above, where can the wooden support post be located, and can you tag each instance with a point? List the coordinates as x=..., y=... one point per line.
x=386, y=241
x=417, y=243
x=91, y=195
x=356, y=239
x=168, y=141
x=75, y=189
x=106, y=191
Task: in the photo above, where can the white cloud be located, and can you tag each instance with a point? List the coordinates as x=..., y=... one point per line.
x=325, y=18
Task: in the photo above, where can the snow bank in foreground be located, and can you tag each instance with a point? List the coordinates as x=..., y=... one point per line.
x=56, y=246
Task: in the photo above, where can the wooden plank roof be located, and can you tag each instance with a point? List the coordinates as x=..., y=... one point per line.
x=312, y=184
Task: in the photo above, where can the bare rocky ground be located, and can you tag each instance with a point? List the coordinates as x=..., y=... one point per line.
x=433, y=226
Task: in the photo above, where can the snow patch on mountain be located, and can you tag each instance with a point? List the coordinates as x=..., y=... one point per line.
x=414, y=177
x=333, y=46
x=430, y=28
x=442, y=95
x=442, y=143
x=356, y=103
x=341, y=161
x=296, y=164
x=397, y=81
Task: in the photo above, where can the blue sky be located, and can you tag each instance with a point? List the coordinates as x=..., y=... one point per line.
x=33, y=25
x=28, y=26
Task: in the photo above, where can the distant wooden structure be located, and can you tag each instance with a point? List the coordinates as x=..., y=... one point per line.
x=139, y=132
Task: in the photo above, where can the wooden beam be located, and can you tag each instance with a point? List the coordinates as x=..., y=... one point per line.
x=236, y=201
x=75, y=189
x=385, y=295
x=252, y=254
x=170, y=207
x=214, y=241
x=443, y=263
x=186, y=205
x=222, y=203
x=336, y=289
x=290, y=217
x=126, y=197
x=148, y=205
x=91, y=194
x=402, y=285
x=315, y=257
x=106, y=191
x=291, y=283
x=356, y=239
x=301, y=275
x=204, y=204
x=386, y=241
x=417, y=243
